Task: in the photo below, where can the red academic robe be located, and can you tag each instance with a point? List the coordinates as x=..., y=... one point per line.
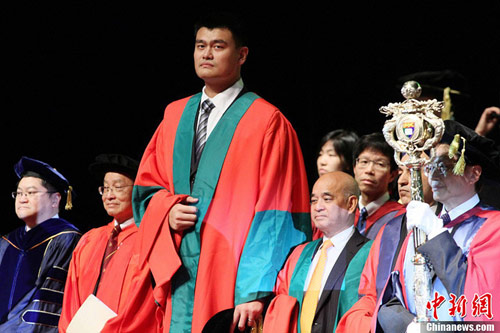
x=85, y=267
x=253, y=208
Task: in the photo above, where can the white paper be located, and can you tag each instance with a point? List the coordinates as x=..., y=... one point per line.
x=91, y=316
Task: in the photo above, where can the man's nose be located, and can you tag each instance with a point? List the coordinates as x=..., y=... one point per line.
x=207, y=53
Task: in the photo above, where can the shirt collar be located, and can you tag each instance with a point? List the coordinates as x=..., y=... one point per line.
x=125, y=224
x=463, y=207
x=373, y=206
x=341, y=238
x=223, y=99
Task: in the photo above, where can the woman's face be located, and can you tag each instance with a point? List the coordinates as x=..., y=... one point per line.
x=328, y=160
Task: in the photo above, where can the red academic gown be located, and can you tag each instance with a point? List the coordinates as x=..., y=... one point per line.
x=253, y=208
x=482, y=270
x=85, y=267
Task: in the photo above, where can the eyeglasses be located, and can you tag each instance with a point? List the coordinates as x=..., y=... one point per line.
x=377, y=165
x=29, y=194
x=115, y=189
x=442, y=168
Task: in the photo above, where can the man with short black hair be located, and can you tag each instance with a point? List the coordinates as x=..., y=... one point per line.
x=34, y=258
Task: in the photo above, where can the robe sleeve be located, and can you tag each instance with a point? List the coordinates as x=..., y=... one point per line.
x=281, y=219
x=153, y=197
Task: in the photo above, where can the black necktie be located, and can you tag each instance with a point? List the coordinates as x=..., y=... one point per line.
x=201, y=131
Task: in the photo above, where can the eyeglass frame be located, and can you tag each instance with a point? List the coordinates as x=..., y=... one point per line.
x=437, y=165
x=115, y=189
x=377, y=165
x=28, y=194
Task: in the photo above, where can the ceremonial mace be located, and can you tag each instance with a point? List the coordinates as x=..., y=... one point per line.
x=415, y=127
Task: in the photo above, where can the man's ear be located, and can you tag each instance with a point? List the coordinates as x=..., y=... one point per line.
x=243, y=54
x=55, y=199
x=473, y=173
x=352, y=204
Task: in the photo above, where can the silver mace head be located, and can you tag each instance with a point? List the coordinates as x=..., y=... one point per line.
x=411, y=89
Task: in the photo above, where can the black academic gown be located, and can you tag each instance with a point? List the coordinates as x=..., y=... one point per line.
x=33, y=269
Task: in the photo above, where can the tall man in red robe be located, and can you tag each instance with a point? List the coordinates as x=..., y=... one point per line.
x=221, y=197
x=94, y=270
x=374, y=170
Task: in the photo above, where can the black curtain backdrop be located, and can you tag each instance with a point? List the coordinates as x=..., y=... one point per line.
x=82, y=78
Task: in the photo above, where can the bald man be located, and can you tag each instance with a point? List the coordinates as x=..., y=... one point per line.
x=307, y=295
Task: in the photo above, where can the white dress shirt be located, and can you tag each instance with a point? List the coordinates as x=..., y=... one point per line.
x=222, y=101
x=339, y=241
x=373, y=206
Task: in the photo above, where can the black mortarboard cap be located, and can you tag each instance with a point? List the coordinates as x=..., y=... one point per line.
x=479, y=150
x=114, y=163
x=47, y=173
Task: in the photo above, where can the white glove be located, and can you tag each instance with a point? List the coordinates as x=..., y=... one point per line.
x=420, y=215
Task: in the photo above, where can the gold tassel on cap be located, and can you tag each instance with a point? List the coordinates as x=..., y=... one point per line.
x=454, y=146
x=69, y=204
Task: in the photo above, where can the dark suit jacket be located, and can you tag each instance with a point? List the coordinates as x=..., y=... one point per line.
x=326, y=310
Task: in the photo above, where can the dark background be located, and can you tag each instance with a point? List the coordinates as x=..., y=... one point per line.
x=87, y=77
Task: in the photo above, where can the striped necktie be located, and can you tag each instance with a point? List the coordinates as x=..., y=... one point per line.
x=111, y=247
x=201, y=131
x=312, y=294
x=110, y=250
